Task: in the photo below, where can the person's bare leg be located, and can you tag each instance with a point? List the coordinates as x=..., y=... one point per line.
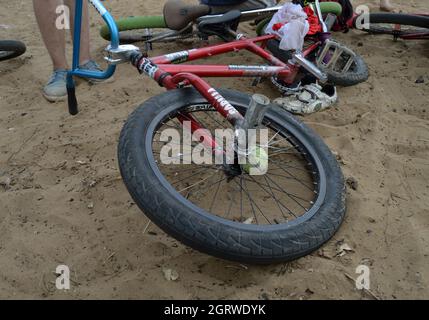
x=385, y=5
x=53, y=38
x=84, y=37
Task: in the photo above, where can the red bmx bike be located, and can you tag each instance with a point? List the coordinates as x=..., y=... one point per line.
x=290, y=208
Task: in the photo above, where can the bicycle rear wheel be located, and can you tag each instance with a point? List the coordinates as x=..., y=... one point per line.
x=132, y=29
x=287, y=213
x=11, y=49
x=397, y=24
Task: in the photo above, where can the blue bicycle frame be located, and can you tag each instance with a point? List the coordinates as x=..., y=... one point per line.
x=76, y=71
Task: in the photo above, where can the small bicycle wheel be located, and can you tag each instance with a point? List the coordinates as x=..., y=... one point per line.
x=222, y=210
x=11, y=49
x=396, y=24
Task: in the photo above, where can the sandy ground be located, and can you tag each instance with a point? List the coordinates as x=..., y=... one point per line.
x=66, y=203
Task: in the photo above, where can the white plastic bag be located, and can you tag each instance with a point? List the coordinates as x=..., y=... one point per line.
x=295, y=26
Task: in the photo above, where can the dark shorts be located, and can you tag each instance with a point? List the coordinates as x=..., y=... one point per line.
x=245, y=6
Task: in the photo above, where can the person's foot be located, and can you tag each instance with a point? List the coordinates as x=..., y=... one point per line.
x=91, y=65
x=385, y=5
x=55, y=89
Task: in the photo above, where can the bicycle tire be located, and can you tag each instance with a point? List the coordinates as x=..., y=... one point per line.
x=210, y=234
x=379, y=23
x=11, y=49
x=134, y=23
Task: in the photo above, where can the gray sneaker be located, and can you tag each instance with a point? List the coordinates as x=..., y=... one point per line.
x=55, y=89
x=91, y=65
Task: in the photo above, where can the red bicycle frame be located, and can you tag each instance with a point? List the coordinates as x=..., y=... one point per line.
x=171, y=63
x=169, y=72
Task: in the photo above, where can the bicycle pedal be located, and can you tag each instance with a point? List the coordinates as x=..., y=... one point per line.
x=330, y=55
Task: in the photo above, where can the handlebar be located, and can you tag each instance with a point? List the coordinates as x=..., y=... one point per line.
x=76, y=71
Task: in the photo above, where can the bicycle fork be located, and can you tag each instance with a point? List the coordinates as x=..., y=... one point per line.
x=244, y=126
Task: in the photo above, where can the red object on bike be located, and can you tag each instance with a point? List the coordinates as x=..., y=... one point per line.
x=278, y=26
x=313, y=20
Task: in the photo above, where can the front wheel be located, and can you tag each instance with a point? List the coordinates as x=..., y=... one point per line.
x=139, y=28
x=11, y=49
x=282, y=215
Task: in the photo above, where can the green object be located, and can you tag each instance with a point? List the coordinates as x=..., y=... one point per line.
x=257, y=160
x=132, y=23
x=326, y=7
x=158, y=22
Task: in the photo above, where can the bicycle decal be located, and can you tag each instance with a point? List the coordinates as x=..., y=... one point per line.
x=255, y=70
x=223, y=102
x=147, y=67
x=177, y=57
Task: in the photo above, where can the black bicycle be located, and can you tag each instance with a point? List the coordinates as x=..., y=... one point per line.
x=10, y=49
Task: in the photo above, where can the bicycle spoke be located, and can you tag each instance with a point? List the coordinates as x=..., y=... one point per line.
x=195, y=184
x=193, y=175
x=282, y=191
x=281, y=165
x=279, y=205
x=215, y=195
x=271, y=194
x=290, y=196
x=293, y=177
x=254, y=203
x=219, y=181
x=264, y=200
x=251, y=204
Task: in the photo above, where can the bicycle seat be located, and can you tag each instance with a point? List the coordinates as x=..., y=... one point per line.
x=178, y=14
x=221, y=26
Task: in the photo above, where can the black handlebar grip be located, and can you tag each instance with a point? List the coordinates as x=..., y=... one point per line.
x=72, y=101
